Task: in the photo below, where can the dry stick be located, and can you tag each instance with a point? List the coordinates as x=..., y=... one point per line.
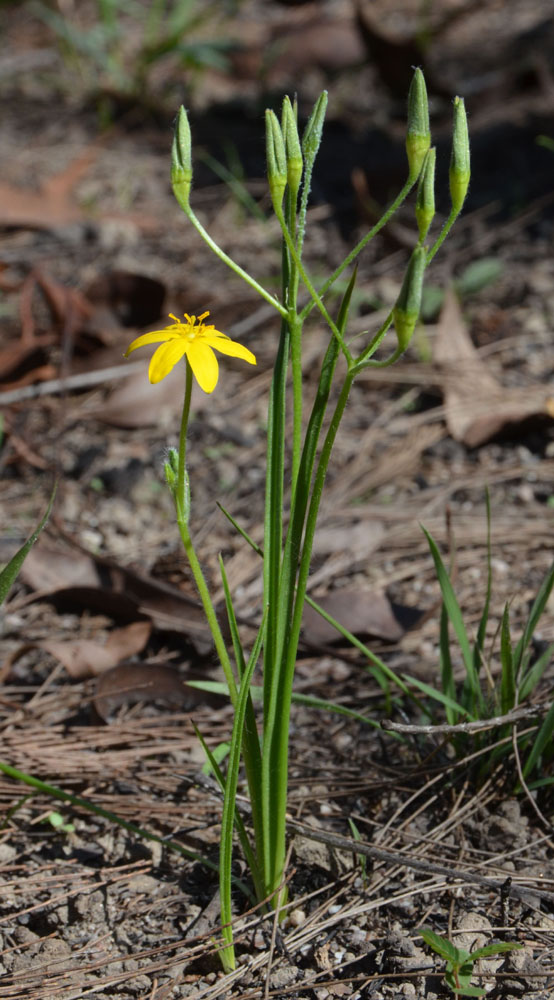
x=468, y=727
x=523, y=783
x=397, y=857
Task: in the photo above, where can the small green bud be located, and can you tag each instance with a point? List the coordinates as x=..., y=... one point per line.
x=460, y=170
x=311, y=139
x=418, y=138
x=295, y=163
x=181, y=159
x=406, y=310
x=276, y=159
x=425, y=201
x=171, y=469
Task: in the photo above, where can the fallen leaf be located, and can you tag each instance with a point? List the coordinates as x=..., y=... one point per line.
x=129, y=683
x=47, y=569
x=362, y=612
x=53, y=204
x=70, y=308
x=84, y=658
x=76, y=581
x=477, y=406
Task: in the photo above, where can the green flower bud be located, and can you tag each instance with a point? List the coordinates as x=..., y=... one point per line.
x=276, y=159
x=171, y=469
x=418, y=138
x=406, y=310
x=181, y=159
x=311, y=139
x=460, y=170
x=295, y=163
x=425, y=201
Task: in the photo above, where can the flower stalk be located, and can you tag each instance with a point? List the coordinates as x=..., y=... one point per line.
x=295, y=470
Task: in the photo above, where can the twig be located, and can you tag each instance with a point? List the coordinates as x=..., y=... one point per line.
x=468, y=727
x=398, y=858
x=83, y=380
x=523, y=783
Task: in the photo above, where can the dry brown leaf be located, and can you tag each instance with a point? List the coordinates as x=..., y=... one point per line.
x=72, y=582
x=129, y=683
x=84, y=658
x=362, y=612
x=47, y=569
x=53, y=204
x=477, y=406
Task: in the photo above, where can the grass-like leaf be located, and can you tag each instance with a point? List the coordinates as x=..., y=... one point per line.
x=455, y=617
x=534, y=616
x=228, y=818
x=9, y=573
x=507, y=679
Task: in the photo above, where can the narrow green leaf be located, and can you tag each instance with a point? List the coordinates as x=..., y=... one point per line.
x=507, y=679
x=479, y=645
x=220, y=687
x=213, y=761
x=530, y=680
x=229, y=803
x=534, y=615
x=545, y=738
x=439, y=696
x=231, y=618
x=10, y=571
x=455, y=616
x=76, y=800
x=447, y=672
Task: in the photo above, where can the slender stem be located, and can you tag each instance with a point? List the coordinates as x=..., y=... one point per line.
x=209, y=609
x=373, y=344
x=278, y=751
x=181, y=493
x=309, y=285
x=181, y=506
x=295, y=341
x=226, y=259
x=443, y=234
x=273, y=543
x=362, y=244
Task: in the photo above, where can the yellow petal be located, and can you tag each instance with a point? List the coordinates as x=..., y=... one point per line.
x=230, y=347
x=165, y=358
x=204, y=364
x=156, y=337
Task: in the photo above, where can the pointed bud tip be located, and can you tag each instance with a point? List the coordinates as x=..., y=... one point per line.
x=418, y=137
x=460, y=164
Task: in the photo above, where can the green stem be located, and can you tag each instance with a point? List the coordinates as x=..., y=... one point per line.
x=181, y=506
x=361, y=245
x=181, y=492
x=374, y=343
x=443, y=234
x=295, y=341
x=279, y=709
x=309, y=285
x=225, y=258
x=209, y=609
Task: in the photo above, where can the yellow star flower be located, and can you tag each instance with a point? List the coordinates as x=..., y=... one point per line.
x=197, y=341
